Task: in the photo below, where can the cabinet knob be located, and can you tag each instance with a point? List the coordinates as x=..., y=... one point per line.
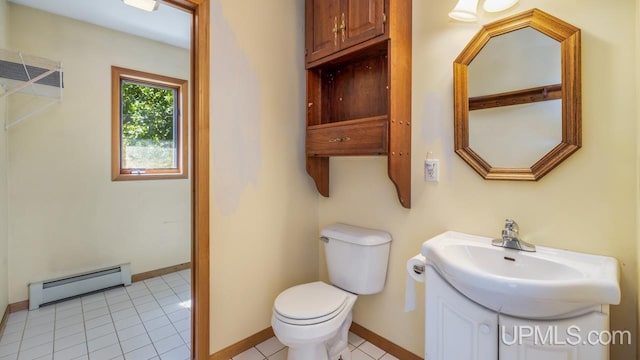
x=485, y=329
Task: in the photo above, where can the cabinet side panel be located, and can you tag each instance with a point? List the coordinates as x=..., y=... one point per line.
x=399, y=162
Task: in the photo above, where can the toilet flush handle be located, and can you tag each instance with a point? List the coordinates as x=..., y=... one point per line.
x=324, y=238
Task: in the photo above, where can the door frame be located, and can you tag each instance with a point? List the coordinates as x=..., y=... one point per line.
x=200, y=72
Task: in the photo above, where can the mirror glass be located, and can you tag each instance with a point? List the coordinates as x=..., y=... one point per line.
x=515, y=135
x=517, y=97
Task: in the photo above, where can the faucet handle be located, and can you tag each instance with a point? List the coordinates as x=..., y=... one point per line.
x=511, y=225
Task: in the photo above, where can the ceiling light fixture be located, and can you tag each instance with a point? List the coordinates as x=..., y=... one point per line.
x=147, y=5
x=465, y=10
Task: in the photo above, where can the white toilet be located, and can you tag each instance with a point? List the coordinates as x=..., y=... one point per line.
x=313, y=319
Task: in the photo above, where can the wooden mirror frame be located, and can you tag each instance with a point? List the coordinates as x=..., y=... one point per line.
x=200, y=70
x=569, y=38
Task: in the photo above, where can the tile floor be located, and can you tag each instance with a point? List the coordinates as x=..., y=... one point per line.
x=150, y=319
x=272, y=349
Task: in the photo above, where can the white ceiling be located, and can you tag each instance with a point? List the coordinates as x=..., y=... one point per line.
x=167, y=24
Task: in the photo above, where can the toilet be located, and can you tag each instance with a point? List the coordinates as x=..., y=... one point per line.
x=313, y=319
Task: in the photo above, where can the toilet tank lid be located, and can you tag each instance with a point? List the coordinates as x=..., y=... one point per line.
x=356, y=235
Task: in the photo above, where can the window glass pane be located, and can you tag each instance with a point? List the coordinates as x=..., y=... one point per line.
x=149, y=136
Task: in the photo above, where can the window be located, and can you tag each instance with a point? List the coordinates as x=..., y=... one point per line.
x=149, y=126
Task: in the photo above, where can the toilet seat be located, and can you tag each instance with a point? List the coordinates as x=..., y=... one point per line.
x=310, y=304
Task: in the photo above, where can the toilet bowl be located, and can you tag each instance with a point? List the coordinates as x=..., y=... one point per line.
x=313, y=319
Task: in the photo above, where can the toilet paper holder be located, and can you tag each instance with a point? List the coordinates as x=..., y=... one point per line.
x=418, y=269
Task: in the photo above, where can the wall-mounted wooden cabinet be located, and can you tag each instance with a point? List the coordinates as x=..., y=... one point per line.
x=358, y=60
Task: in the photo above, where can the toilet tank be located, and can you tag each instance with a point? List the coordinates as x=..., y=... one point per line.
x=356, y=257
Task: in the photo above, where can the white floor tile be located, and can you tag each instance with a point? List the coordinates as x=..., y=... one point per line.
x=102, y=342
x=37, y=330
x=107, y=353
x=99, y=331
x=270, y=347
x=123, y=314
x=123, y=305
x=10, y=338
x=371, y=350
x=143, y=300
x=36, y=352
x=251, y=354
x=182, y=325
x=70, y=320
x=92, y=298
x=69, y=330
x=157, y=323
x=96, y=313
x=135, y=343
x=179, y=353
x=71, y=352
x=359, y=355
x=179, y=315
x=152, y=314
x=128, y=322
x=389, y=357
x=9, y=357
x=97, y=304
x=9, y=349
x=20, y=316
x=107, y=325
x=280, y=355
x=37, y=340
x=162, y=332
x=143, y=353
x=169, y=343
x=62, y=314
x=69, y=341
x=131, y=332
x=148, y=306
x=355, y=340
x=171, y=299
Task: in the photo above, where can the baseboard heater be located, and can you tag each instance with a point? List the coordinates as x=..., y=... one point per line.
x=44, y=292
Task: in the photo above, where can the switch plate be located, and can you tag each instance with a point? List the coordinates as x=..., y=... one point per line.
x=432, y=170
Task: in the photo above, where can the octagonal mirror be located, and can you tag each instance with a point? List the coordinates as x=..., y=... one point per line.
x=517, y=97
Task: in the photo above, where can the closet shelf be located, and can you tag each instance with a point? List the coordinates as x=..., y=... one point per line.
x=33, y=84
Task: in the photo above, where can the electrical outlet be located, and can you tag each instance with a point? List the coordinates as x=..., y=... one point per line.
x=431, y=170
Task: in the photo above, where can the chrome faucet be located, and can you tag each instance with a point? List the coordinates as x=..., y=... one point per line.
x=510, y=239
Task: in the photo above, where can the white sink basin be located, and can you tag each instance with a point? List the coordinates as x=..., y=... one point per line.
x=548, y=283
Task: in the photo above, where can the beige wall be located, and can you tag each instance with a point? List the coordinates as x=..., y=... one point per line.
x=264, y=227
x=3, y=176
x=66, y=215
x=587, y=204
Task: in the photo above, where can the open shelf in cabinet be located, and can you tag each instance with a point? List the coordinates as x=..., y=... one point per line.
x=359, y=103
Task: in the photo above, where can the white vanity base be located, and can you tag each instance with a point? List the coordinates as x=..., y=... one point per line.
x=458, y=328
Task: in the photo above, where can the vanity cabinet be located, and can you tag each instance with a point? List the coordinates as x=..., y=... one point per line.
x=358, y=62
x=458, y=328
x=526, y=339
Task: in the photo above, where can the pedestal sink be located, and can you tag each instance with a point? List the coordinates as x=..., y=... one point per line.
x=548, y=283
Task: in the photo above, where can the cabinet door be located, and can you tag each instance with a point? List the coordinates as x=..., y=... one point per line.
x=569, y=339
x=456, y=327
x=362, y=20
x=322, y=28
